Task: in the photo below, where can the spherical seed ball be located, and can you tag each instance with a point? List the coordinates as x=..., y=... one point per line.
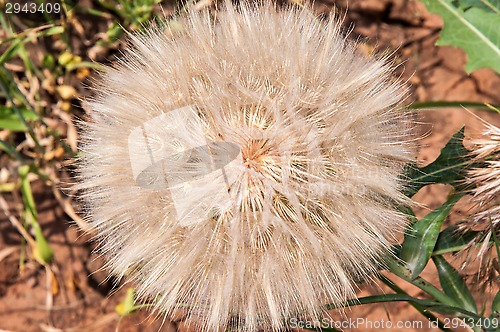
x=245, y=168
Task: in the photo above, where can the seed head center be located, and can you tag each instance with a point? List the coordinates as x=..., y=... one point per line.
x=258, y=154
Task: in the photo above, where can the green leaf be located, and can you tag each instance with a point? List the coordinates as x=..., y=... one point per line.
x=495, y=306
x=426, y=105
x=42, y=252
x=491, y=323
x=488, y=5
x=448, y=168
x=420, y=241
x=20, y=39
x=453, y=285
x=87, y=64
x=11, y=92
x=475, y=30
x=11, y=51
x=9, y=119
x=400, y=269
x=496, y=241
x=4, y=146
x=430, y=305
x=453, y=240
x=422, y=309
x=126, y=307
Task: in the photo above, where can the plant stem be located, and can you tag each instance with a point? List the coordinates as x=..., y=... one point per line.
x=420, y=308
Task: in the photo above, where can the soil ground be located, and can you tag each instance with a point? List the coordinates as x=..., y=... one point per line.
x=80, y=296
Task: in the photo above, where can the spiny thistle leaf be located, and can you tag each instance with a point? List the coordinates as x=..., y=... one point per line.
x=452, y=240
x=448, y=168
x=474, y=29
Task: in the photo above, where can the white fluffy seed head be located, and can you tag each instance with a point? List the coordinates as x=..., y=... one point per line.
x=245, y=168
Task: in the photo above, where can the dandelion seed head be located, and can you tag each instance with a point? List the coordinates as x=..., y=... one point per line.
x=485, y=182
x=246, y=168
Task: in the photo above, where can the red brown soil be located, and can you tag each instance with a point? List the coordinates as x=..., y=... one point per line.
x=82, y=299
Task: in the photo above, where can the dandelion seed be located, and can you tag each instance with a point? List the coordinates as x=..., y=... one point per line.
x=245, y=168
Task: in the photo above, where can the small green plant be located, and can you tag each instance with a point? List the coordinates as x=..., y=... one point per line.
x=134, y=14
